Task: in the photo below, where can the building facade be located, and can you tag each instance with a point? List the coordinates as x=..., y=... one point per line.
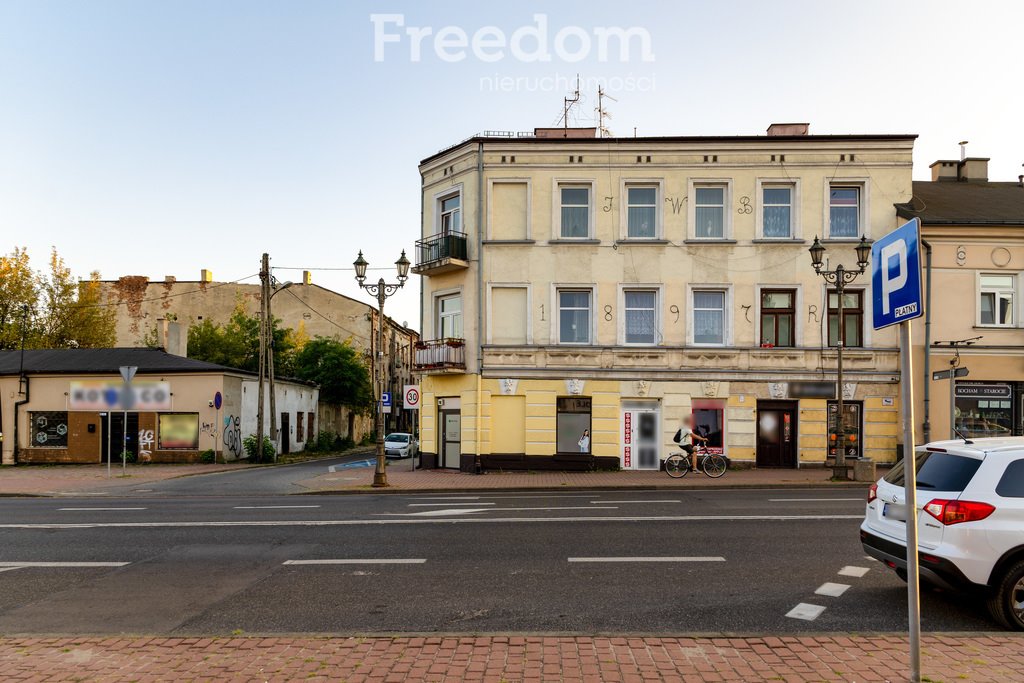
x=612, y=286
x=56, y=406
x=973, y=230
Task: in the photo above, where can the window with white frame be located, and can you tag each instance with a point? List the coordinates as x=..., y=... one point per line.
x=777, y=211
x=449, y=316
x=450, y=209
x=641, y=316
x=995, y=303
x=575, y=203
x=709, y=212
x=844, y=203
x=574, y=316
x=641, y=211
x=709, y=316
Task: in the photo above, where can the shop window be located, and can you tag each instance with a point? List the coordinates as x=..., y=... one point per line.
x=709, y=422
x=179, y=431
x=777, y=317
x=49, y=429
x=853, y=437
x=572, y=422
x=984, y=409
x=853, y=318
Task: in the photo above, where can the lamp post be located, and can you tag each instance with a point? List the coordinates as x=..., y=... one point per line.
x=270, y=364
x=840, y=277
x=382, y=290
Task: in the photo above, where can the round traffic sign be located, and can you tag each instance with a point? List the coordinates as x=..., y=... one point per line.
x=218, y=400
x=412, y=397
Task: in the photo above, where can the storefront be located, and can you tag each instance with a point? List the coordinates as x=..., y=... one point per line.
x=988, y=409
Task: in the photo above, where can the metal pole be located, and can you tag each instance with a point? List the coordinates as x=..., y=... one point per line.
x=380, y=477
x=270, y=368
x=124, y=446
x=840, y=468
x=110, y=429
x=910, y=483
x=264, y=270
x=952, y=402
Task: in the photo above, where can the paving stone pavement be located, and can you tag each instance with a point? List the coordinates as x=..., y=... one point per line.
x=511, y=659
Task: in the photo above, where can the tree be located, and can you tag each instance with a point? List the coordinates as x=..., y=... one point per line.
x=18, y=288
x=236, y=343
x=338, y=369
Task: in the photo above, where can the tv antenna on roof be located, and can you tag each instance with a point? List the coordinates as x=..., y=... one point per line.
x=567, y=104
x=603, y=131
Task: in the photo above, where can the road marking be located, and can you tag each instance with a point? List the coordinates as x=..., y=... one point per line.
x=351, y=465
x=434, y=505
x=647, y=559
x=833, y=590
x=8, y=569
x=616, y=502
x=438, y=513
x=353, y=561
x=91, y=509
x=273, y=507
x=20, y=565
x=465, y=520
x=75, y=494
x=805, y=611
x=498, y=497
x=462, y=511
x=448, y=498
x=855, y=572
x=859, y=499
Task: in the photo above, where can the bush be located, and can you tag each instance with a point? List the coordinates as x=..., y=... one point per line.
x=370, y=438
x=251, y=445
x=129, y=457
x=208, y=456
x=324, y=442
x=346, y=443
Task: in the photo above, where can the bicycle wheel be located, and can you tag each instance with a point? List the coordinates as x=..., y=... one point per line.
x=714, y=465
x=677, y=465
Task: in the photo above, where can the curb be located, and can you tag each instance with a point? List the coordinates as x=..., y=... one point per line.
x=391, y=490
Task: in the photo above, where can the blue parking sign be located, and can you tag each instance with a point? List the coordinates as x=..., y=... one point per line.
x=385, y=399
x=896, y=276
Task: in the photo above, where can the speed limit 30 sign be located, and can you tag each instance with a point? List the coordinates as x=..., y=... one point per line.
x=411, y=395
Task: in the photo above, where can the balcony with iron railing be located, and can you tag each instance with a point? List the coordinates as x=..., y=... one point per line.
x=440, y=356
x=441, y=253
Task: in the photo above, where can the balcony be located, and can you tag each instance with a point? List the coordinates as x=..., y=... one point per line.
x=441, y=254
x=440, y=356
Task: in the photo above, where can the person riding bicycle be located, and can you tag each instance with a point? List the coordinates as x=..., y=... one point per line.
x=686, y=436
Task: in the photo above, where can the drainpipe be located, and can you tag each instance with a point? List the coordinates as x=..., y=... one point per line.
x=18, y=404
x=478, y=465
x=926, y=428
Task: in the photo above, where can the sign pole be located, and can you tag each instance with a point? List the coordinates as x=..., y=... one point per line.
x=110, y=429
x=952, y=404
x=910, y=482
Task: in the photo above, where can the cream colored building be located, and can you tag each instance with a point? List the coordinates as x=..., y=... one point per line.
x=615, y=285
x=973, y=230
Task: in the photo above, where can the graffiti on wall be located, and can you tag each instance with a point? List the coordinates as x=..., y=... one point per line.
x=233, y=435
x=146, y=439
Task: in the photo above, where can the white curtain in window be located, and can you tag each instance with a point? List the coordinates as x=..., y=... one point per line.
x=709, y=214
x=709, y=317
x=640, y=317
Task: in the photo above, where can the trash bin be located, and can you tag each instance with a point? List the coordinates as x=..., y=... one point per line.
x=864, y=470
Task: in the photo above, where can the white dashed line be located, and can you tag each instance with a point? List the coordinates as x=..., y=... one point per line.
x=856, y=572
x=273, y=507
x=859, y=499
x=616, y=502
x=96, y=509
x=20, y=565
x=355, y=561
x=436, y=505
x=832, y=590
x=647, y=559
x=805, y=611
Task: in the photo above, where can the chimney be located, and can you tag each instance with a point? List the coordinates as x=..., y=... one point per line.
x=945, y=169
x=307, y=277
x=170, y=279
x=205, y=275
x=777, y=129
x=974, y=170
x=565, y=132
x=1020, y=181
x=172, y=338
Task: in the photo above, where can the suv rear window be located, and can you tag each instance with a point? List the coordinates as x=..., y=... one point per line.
x=938, y=471
x=1012, y=483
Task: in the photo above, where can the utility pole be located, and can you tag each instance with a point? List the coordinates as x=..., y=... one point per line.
x=264, y=288
x=269, y=326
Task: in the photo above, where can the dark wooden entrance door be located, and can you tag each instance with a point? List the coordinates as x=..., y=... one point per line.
x=285, y=433
x=776, y=434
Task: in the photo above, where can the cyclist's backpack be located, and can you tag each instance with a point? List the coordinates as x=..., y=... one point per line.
x=679, y=436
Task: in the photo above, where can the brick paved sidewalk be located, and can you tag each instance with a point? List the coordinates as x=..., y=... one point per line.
x=945, y=658
x=49, y=480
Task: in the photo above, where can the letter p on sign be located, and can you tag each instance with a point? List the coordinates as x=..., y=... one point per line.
x=896, y=276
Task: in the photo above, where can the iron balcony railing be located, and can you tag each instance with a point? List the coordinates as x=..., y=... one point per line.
x=441, y=354
x=435, y=249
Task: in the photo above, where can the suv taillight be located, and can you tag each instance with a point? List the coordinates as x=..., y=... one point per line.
x=956, y=511
x=872, y=492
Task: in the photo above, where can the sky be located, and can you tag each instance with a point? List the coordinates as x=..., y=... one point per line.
x=160, y=138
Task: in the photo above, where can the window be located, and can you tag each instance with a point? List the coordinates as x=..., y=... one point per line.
x=853, y=317
x=449, y=312
x=571, y=423
x=1012, y=483
x=984, y=409
x=708, y=317
x=310, y=423
x=843, y=212
x=179, y=431
x=451, y=214
x=49, y=429
x=709, y=422
x=641, y=212
x=777, y=212
x=777, y=317
x=995, y=306
x=851, y=428
x=575, y=212
x=938, y=471
x=641, y=317
x=300, y=431
x=709, y=212
x=574, y=316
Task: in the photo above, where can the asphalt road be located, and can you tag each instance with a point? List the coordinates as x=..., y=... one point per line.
x=734, y=561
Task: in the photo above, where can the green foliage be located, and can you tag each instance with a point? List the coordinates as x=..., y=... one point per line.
x=129, y=457
x=208, y=456
x=346, y=443
x=236, y=343
x=338, y=369
x=251, y=446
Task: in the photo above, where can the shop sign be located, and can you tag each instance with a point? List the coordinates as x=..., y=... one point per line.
x=812, y=389
x=627, y=453
x=967, y=390
x=100, y=396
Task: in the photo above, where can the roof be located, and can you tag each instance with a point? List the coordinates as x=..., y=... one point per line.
x=979, y=448
x=103, y=361
x=520, y=138
x=948, y=202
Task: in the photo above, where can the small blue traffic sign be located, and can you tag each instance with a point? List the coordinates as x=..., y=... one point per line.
x=896, y=276
x=385, y=399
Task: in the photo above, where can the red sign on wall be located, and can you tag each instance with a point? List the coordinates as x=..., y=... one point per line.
x=627, y=437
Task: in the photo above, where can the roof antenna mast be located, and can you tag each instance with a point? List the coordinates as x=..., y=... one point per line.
x=603, y=130
x=567, y=104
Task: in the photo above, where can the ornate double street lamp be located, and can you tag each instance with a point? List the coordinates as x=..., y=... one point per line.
x=840, y=277
x=382, y=290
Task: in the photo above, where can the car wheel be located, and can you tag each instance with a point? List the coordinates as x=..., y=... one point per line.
x=1006, y=603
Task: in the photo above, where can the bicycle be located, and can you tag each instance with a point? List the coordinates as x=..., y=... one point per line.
x=713, y=465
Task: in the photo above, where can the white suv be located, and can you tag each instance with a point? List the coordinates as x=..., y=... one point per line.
x=970, y=517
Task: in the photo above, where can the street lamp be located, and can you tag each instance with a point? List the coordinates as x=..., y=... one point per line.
x=840, y=277
x=382, y=290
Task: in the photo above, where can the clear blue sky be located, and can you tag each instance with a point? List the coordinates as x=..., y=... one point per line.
x=159, y=138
